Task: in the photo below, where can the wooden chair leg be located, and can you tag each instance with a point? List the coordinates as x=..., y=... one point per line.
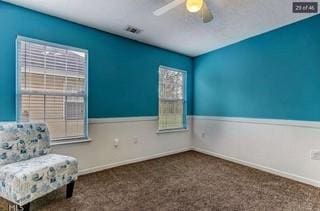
x=26, y=207
x=70, y=187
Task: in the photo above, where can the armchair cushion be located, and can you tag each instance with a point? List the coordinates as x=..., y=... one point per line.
x=22, y=141
x=24, y=181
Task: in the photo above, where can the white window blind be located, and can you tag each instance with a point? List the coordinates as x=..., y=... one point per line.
x=172, y=103
x=52, y=87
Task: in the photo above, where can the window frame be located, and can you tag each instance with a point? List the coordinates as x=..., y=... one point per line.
x=56, y=141
x=185, y=122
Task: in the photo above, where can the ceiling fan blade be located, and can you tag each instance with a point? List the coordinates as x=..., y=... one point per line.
x=206, y=13
x=168, y=7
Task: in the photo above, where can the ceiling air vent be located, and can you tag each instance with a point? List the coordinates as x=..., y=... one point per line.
x=133, y=29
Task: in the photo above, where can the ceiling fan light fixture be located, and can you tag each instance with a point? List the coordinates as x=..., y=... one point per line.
x=194, y=5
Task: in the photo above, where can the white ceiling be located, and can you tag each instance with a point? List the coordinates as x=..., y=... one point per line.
x=176, y=30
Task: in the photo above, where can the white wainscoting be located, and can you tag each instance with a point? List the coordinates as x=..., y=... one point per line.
x=281, y=147
x=138, y=138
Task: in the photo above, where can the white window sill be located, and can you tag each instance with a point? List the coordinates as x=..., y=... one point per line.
x=173, y=130
x=72, y=141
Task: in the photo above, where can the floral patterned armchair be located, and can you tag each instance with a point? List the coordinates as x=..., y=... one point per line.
x=27, y=170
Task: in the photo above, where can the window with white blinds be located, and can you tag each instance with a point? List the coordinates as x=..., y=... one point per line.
x=52, y=87
x=172, y=102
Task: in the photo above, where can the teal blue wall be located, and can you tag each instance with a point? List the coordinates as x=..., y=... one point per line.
x=273, y=75
x=123, y=74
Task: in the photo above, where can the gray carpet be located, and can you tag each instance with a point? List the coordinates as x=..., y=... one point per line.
x=185, y=181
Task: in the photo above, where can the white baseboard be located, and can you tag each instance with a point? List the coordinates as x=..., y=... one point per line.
x=126, y=162
x=207, y=152
x=260, y=167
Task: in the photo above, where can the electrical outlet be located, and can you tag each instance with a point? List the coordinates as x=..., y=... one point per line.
x=116, y=142
x=135, y=140
x=315, y=154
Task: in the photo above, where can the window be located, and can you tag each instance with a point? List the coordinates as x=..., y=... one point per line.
x=172, y=103
x=52, y=87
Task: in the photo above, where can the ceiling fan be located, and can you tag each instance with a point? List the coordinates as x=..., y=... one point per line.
x=193, y=6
